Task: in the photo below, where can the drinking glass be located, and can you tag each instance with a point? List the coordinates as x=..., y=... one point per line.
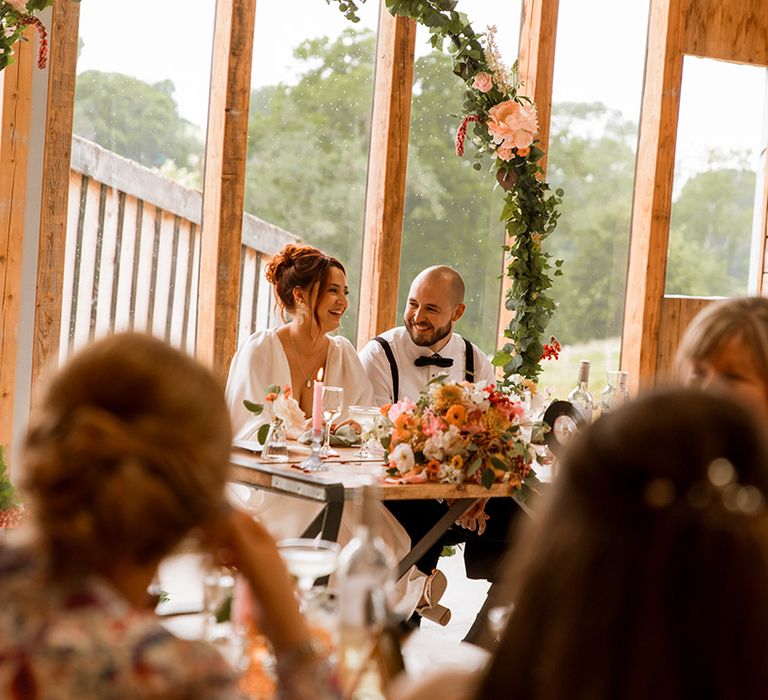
x=218, y=591
x=365, y=416
x=307, y=560
x=615, y=393
x=333, y=399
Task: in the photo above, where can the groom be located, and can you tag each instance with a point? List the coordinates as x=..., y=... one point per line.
x=400, y=363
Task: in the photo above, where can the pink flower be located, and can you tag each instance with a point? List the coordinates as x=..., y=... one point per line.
x=404, y=406
x=506, y=154
x=512, y=125
x=482, y=82
x=19, y=5
x=431, y=424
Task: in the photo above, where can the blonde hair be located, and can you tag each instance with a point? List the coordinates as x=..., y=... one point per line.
x=129, y=452
x=710, y=331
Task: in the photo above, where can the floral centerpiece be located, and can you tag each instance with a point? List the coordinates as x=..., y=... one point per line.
x=459, y=433
x=278, y=405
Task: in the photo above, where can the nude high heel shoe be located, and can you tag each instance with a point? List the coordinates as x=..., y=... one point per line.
x=434, y=588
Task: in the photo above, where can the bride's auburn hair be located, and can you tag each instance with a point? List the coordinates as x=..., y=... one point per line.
x=302, y=266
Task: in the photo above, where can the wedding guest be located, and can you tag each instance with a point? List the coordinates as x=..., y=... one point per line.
x=311, y=287
x=128, y=455
x=725, y=348
x=644, y=575
x=400, y=363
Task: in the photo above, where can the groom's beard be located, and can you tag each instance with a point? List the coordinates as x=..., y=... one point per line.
x=428, y=337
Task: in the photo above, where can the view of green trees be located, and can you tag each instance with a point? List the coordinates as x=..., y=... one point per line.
x=306, y=172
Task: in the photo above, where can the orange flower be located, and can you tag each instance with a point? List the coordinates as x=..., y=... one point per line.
x=522, y=152
x=400, y=435
x=385, y=409
x=432, y=468
x=403, y=421
x=287, y=391
x=446, y=396
x=456, y=415
x=271, y=396
x=457, y=461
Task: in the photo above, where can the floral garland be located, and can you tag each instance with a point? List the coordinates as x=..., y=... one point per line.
x=504, y=128
x=15, y=17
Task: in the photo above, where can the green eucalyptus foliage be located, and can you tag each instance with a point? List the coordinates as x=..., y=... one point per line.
x=530, y=210
x=8, y=498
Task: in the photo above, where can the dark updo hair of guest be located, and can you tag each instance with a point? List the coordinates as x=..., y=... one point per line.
x=301, y=266
x=645, y=576
x=129, y=452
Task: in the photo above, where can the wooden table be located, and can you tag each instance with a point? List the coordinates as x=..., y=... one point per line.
x=345, y=477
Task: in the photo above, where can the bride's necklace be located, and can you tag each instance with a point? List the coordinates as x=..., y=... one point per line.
x=307, y=377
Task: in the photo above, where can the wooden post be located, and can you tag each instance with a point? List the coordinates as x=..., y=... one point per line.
x=653, y=193
x=15, y=99
x=536, y=57
x=387, y=164
x=224, y=184
x=55, y=186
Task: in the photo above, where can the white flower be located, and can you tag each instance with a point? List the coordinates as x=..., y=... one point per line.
x=402, y=458
x=289, y=411
x=451, y=441
x=433, y=448
x=450, y=475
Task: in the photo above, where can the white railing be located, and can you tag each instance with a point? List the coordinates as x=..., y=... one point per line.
x=133, y=254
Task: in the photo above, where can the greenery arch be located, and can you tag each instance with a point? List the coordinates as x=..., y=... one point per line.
x=499, y=113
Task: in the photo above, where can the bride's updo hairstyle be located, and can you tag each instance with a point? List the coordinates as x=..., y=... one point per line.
x=129, y=451
x=300, y=266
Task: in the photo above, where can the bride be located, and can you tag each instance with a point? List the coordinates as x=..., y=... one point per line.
x=311, y=287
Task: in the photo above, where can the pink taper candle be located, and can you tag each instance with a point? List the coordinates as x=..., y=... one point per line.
x=317, y=405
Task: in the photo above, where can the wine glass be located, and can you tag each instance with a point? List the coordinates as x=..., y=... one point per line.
x=308, y=559
x=333, y=399
x=365, y=416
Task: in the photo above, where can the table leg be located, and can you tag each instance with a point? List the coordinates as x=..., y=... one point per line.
x=438, y=529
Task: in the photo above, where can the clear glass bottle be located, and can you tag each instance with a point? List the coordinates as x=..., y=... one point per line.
x=615, y=393
x=365, y=578
x=580, y=396
x=276, y=443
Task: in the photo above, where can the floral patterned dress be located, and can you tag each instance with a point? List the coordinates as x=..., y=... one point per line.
x=81, y=641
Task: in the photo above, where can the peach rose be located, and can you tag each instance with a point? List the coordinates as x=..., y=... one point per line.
x=482, y=82
x=19, y=5
x=512, y=125
x=506, y=154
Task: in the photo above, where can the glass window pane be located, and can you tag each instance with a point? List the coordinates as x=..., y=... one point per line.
x=716, y=163
x=452, y=211
x=133, y=234
x=312, y=83
x=596, y=108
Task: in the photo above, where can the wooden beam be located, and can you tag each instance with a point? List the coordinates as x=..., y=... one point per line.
x=728, y=30
x=15, y=100
x=55, y=186
x=536, y=60
x=224, y=184
x=677, y=312
x=387, y=164
x=652, y=204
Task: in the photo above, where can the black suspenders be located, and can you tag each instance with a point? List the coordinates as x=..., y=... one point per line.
x=469, y=364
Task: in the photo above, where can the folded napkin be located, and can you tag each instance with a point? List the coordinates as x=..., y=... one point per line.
x=345, y=436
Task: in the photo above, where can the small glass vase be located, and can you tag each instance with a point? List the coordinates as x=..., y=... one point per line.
x=276, y=444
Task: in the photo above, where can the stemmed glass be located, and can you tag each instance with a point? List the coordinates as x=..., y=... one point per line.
x=333, y=400
x=365, y=416
x=307, y=560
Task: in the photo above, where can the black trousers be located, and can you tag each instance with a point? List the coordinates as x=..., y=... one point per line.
x=483, y=554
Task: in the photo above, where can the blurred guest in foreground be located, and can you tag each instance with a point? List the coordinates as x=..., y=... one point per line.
x=128, y=455
x=645, y=574
x=725, y=348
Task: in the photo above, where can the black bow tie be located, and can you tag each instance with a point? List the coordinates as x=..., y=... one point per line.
x=435, y=359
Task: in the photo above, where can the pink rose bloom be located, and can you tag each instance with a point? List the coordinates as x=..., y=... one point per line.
x=512, y=125
x=482, y=82
x=505, y=153
x=431, y=424
x=19, y=5
x=404, y=406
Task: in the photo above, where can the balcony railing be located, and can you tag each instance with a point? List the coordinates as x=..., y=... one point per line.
x=133, y=254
